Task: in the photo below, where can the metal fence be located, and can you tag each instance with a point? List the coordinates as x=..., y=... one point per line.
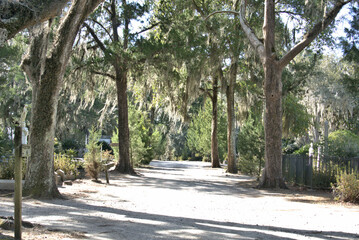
x=299, y=169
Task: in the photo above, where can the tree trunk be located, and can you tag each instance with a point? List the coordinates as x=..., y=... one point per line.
x=46, y=75
x=273, y=68
x=40, y=179
x=124, y=164
x=272, y=177
x=214, y=133
x=231, y=131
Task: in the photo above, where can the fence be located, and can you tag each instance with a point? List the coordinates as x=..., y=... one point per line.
x=299, y=169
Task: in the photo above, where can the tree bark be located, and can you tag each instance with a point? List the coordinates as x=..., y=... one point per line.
x=46, y=75
x=273, y=67
x=272, y=177
x=120, y=64
x=18, y=15
x=40, y=180
x=231, y=131
x=124, y=164
x=214, y=133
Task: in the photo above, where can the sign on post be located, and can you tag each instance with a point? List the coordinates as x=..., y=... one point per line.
x=26, y=150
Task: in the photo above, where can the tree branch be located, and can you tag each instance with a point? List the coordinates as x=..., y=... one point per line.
x=98, y=23
x=18, y=15
x=68, y=29
x=218, y=12
x=147, y=28
x=253, y=39
x=312, y=34
x=207, y=91
x=104, y=74
x=97, y=40
x=198, y=9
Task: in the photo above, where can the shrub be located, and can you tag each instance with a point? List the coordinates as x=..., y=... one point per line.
x=69, y=144
x=347, y=188
x=106, y=146
x=66, y=163
x=93, y=156
x=7, y=169
x=6, y=145
x=343, y=143
x=323, y=180
x=289, y=146
x=251, y=147
x=305, y=149
x=145, y=143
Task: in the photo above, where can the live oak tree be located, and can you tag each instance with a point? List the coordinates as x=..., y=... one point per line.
x=45, y=65
x=18, y=15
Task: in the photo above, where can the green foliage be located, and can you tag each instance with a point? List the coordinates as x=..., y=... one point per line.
x=289, y=146
x=347, y=188
x=251, y=147
x=6, y=145
x=343, y=143
x=15, y=92
x=305, y=149
x=7, y=169
x=296, y=120
x=323, y=179
x=66, y=163
x=70, y=144
x=199, y=131
x=93, y=156
x=145, y=141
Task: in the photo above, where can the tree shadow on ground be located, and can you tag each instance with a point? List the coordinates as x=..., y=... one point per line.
x=157, y=226
x=226, y=184
x=4, y=237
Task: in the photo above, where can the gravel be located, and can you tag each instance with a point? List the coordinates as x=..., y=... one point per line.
x=189, y=200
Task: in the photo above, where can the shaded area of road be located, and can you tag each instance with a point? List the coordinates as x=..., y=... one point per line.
x=186, y=200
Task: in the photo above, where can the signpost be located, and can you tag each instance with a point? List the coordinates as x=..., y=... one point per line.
x=18, y=182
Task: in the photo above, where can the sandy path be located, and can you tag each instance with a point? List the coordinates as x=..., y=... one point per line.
x=188, y=200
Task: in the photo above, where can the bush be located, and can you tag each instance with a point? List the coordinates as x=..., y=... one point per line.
x=145, y=143
x=323, y=180
x=251, y=148
x=347, y=188
x=305, y=149
x=7, y=169
x=66, y=164
x=93, y=156
x=69, y=144
x=289, y=146
x=343, y=143
x=106, y=146
x=6, y=145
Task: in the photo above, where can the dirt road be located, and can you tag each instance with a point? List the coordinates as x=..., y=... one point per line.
x=189, y=200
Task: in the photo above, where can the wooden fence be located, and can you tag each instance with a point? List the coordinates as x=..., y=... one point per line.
x=299, y=168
